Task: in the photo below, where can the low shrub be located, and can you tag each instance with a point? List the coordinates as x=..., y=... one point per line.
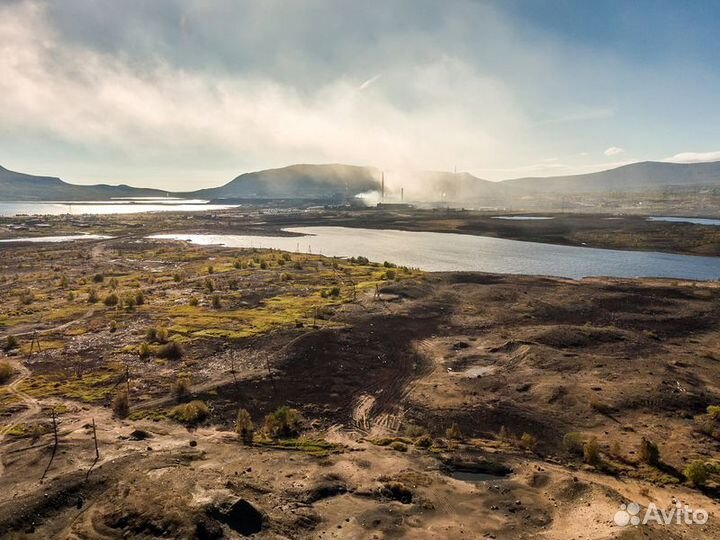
x=649, y=452
x=453, y=433
x=244, y=426
x=6, y=372
x=190, y=413
x=573, y=443
x=697, y=472
x=170, y=351
x=284, y=422
x=591, y=452
x=121, y=404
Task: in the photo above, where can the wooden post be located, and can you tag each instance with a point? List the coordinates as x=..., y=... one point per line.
x=272, y=379
x=54, y=421
x=232, y=368
x=127, y=379
x=97, y=450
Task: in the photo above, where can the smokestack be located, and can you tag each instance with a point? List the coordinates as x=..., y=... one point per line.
x=402, y=193
x=382, y=189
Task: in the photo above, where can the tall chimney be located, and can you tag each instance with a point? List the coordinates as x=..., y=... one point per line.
x=382, y=190
x=402, y=193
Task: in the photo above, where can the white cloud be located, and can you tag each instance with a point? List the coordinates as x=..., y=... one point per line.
x=426, y=115
x=694, y=157
x=614, y=151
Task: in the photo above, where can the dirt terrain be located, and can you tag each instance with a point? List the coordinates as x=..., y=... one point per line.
x=434, y=406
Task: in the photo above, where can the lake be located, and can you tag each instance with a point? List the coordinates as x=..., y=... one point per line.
x=119, y=206
x=696, y=221
x=53, y=239
x=462, y=252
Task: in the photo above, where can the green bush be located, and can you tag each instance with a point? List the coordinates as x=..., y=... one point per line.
x=92, y=296
x=121, y=404
x=190, y=413
x=244, y=426
x=111, y=300
x=697, y=472
x=284, y=422
x=216, y=303
x=713, y=411
x=11, y=342
x=6, y=372
x=574, y=442
x=181, y=388
x=170, y=351
x=398, y=446
x=591, y=452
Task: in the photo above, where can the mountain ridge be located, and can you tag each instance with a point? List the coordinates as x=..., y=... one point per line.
x=318, y=181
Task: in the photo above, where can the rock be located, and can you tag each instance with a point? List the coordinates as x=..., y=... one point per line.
x=208, y=529
x=240, y=516
x=139, y=435
x=193, y=443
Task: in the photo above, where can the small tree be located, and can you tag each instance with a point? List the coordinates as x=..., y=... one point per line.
x=244, y=426
x=121, y=404
x=139, y=298
x=216, y=303
x=111, y=300
x=649, y=452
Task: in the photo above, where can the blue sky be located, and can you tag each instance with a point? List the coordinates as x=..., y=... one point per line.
x=189, y=93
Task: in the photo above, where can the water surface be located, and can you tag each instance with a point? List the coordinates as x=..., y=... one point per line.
x=696, y=221
x=116, y=206
x=463, y=252
x=68, y=238
x=523, y=218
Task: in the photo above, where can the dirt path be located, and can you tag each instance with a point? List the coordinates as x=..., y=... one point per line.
x=33, y=406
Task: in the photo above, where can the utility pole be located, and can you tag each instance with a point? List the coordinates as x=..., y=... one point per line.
x=35, y=342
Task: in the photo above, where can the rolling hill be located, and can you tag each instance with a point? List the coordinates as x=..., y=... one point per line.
x=643, y=176
x=297, y=182
x=15, y=186
x=342, y=181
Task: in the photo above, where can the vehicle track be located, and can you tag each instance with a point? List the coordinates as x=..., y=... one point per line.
x=33, y=406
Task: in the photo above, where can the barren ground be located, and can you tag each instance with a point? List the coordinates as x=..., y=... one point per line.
x=372, y=374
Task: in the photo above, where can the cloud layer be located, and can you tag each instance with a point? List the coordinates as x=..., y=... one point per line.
x=189, y=93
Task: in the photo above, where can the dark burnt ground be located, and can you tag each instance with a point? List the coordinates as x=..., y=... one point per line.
x=322, y=373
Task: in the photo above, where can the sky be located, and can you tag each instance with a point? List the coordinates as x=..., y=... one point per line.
x=184, y=94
